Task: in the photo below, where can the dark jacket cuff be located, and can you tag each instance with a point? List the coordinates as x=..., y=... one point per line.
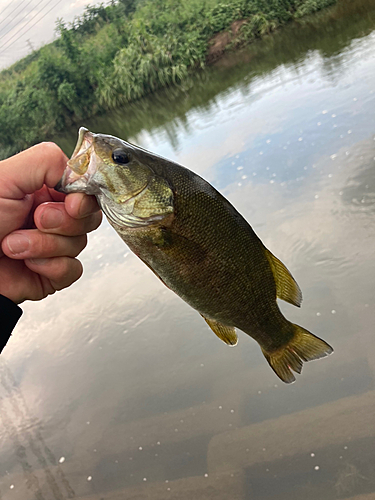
x=10, y=313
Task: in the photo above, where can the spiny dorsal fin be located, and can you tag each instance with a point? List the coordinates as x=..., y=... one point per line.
x=286, y=286
x=226, y=333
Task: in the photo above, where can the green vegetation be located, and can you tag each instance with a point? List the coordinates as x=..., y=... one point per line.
x=116, y=54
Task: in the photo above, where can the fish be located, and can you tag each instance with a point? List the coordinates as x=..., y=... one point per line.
x=197, y=244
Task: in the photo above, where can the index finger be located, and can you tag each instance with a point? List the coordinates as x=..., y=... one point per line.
x=28, y=171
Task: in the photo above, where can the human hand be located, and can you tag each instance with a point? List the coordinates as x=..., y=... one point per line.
x=41, y=230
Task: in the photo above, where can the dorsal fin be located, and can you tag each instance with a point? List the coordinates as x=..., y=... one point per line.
x=286, y=286
x=226, y=333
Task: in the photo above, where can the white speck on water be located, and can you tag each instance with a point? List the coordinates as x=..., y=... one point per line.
x=285, y=147
x=349, y=131
x=267, y=168
x=145, y=479
x=334, y=125
x=206, y=475
x=318, y=314
x=232, y=411
x=11, y=486
x=333, y=116
x=233, y=162
x=140, y=448
x=355, y=99
x=272, y=181
x=324, y=112
x=239, y=168
x=267, y=470
x=261, y=152
x=237, y=156
x=244, y=177
x=316, y=196
x=259, y=392
x=333, y=311
x=125, y=331
x=264, y=449
x=316, y=467
x=341, y=193
x=300, y=139
x=88, y=422
x=94, y=450
x=319, y=123
x=158, y=443
x=116, y=461
x=220, y=407
x=61, y=460
x=126, y=254
x=268, y=141
x=99, y=256
x=176, y=430
x=333, y=156
x=276, y=385
x=202, y=364
x=181, y=421
x=345, y=447
x=340, y=457
x=312, y=454
x=240, y=184
x=247, y=449
x=330, y=175
x=89, y=478
x=168, y=489
x=254, y=174
x=304, y=168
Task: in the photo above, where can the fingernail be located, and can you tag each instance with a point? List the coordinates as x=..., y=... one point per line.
x=18, y=243
x=39, y=262
x=51, y=218
x=84, y=208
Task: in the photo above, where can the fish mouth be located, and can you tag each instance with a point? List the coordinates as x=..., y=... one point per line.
x=81, y=166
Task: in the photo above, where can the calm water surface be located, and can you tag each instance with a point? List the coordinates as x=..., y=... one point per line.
x=116, y=389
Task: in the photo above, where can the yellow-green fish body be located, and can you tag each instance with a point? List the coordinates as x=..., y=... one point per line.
x=197, y=243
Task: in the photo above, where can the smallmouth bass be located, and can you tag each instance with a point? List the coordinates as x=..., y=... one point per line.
x=197, y=243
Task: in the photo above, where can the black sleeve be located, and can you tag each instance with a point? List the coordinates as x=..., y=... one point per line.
x=10, y=313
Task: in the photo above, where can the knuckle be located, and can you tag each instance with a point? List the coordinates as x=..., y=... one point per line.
x=49, y=147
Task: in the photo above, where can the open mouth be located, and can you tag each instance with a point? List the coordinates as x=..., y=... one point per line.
x=80, y=167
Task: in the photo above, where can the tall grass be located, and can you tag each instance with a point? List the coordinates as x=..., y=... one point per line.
x=119, y=53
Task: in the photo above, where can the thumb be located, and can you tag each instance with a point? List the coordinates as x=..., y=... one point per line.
x=28, y=171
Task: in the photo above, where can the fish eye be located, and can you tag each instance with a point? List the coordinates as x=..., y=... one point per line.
x=119, y=156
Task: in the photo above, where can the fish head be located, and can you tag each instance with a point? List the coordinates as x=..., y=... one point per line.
x=120, y=176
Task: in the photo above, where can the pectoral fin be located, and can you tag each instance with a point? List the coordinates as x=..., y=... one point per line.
x=226, y=333
x=286, y=286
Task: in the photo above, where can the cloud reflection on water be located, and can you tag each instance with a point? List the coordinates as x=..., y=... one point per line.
x=117, y=363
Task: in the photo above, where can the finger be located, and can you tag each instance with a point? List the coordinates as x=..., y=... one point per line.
x=79, y=205
x=33, y=244
x=60, y=271
x=26, y=172
x=53, y=218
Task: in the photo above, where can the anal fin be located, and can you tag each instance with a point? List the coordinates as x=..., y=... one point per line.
x=226, y=333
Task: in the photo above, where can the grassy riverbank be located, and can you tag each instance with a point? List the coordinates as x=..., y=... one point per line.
x=116, y=54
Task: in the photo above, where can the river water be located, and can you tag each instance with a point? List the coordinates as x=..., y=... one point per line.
x=116, y=389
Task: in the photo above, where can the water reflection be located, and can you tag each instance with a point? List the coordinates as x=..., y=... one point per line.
x=126, y=383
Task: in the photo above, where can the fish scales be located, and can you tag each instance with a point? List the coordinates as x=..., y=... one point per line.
x=197, y=243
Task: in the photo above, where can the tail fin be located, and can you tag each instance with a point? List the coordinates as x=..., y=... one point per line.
x=304, y=346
